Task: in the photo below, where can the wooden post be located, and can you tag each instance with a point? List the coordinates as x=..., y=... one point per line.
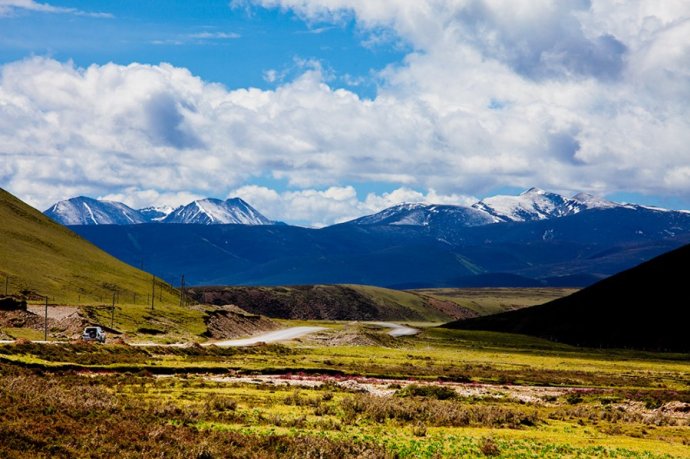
x=7, y=281
x=153, y=290
x=182, y=298
x=45, y=326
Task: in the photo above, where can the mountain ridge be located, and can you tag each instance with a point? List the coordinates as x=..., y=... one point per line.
x=533, y=204
x=82, y=210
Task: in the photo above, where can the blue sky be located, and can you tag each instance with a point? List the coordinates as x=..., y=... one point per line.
x=232, y=46
x=316, y=111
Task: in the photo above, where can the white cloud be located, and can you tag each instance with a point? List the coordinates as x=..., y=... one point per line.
x=319, y=208
x=575, y=95
x=215, y=35
x=9, y=7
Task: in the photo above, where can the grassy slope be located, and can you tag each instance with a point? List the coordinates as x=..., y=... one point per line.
x=401, y=300
x=487, y=301
x=45, y=258
x=333, y=302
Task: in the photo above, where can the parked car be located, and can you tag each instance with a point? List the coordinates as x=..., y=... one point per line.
x=93, y=334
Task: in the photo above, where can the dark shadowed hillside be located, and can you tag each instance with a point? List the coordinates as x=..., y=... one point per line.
x=645, y=307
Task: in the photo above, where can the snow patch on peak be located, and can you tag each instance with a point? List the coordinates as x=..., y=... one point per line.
x=591, y=201
x=533, y=204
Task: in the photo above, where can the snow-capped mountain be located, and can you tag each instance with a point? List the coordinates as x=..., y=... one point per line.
x=155, y=214
x=531, y=205
x=215, y=211
x=419, y=214
x=87, y=211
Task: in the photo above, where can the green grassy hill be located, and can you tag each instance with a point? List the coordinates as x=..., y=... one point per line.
x=41, y=257
x=487, y=301
x=334, y=302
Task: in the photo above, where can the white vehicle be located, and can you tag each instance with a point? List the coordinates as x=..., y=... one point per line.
x=93, y=334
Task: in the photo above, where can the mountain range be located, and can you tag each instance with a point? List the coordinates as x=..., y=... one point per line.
x=531, y=205
x=88, y=211
x=534, y=239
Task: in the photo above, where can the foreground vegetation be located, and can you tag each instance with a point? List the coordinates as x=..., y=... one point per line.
x=471, y=395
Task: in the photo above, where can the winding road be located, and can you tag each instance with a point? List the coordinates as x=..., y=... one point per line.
x=285, y=334
x=397, y=329
x=271, y=337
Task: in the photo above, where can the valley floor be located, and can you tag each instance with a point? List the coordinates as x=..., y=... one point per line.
x=349, y=390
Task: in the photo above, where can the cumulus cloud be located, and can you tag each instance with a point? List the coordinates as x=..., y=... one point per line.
x=577, y=95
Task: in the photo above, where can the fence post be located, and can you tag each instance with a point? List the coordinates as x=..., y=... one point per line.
x=45, y=325
x=153, y=291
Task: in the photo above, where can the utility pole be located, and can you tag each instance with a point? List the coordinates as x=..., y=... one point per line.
x=45, y=325
x=135, y=298
x=182, y=298
x=153, y=290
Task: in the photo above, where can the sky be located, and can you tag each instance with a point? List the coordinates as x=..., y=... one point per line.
x=318, y=111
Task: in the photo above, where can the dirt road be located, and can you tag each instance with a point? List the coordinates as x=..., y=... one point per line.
x=397, y=329
x=271, y=337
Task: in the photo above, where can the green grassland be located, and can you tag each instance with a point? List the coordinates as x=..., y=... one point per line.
x=385, y=297
x=487, y=301
x=41, y=257
x=233, y=402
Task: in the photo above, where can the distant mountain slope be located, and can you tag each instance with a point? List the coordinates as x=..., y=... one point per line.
x=87, y=211
x=645, y=307
x=215, y=212
x=568, y=251
x=333, y=302
x=532, y=205
x=155, y=214
x=418, y=214
x=44, y=257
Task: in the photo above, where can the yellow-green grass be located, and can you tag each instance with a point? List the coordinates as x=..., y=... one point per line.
x=448, y=354
x=42, y=257
x=23, y=333
x=272, y=410
x=486, y=301
x=404, y=299
x=586, y=426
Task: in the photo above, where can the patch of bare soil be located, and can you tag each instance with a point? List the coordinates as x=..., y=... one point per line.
x=451, y=309
x=353, y=335
x=675, y=411
x=229, y=321
x=64, y=322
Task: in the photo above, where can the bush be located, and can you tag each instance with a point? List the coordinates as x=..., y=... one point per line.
x=488, y=447
x=433, y=391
